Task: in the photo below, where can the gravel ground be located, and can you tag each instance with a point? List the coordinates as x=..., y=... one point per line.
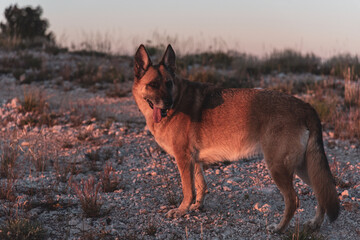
x=241, y=202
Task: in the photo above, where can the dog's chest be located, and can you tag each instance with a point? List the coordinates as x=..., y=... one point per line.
x=165, y=140
x=166, y=145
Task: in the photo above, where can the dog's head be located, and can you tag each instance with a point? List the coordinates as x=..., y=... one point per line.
x=155, y=83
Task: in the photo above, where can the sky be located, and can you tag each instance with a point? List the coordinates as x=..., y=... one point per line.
x=323, y=27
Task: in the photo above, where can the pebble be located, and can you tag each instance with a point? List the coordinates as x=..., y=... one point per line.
x=73, y=222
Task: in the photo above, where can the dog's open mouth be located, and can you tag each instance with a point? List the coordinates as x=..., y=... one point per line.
x=158, y=113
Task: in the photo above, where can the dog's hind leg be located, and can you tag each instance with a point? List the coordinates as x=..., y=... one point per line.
x=200, y=185
x=284, y=180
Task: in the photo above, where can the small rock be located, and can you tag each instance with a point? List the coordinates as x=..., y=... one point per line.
x=142, y=211
x=73, y=222
x=74, y=231
x=15, y=103
x=163, y=207
x=22, y=77
x=83, y=226
x=57, y=128
x=345, y=194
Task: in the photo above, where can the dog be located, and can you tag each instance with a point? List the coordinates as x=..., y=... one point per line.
x=198, y=124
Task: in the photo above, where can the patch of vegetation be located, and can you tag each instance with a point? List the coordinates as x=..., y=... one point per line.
x=84, y=135
x=9, y=153
x=65, y=170
x=39, y=160
x=279, y=61
x=206, y=76
x=34, y=101
x=110, y=181
x=303, y=234
x=214, y=59
x=24, y=28
x=93, y=157
x=337, y=65
x=211, y=76
x=151, y=229
x=347, y=124
x=21, y=65
x=117, y=92
x=22, y=229
x=290, y=61
x=89, y=53
x=88, y=194
x=90, y=73
x=25, y=23
x=172, y=199
x=7, y=190
x=325, y=107
x=98, y=234
x=352, y=89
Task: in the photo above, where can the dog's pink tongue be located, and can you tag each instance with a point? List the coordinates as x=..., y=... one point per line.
x=157, y=114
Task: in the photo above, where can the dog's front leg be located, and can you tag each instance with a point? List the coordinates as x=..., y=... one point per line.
x=186, y=167
x=200, y=185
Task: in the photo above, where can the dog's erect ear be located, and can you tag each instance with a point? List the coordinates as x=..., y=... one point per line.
x=142, y=62
x=169, y=58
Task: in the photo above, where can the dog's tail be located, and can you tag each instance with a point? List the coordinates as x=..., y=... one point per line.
x=318, y=170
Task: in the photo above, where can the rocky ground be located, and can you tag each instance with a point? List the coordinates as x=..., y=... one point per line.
x=94, y=135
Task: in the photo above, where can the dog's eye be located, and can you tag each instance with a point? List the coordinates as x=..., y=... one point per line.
x=153, y=85
x=169, y=84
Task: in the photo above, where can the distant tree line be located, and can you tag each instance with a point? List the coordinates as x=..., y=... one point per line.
x=25, y=24
x=26, y=28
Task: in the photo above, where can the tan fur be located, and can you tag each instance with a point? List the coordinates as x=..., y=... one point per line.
x=204, y=124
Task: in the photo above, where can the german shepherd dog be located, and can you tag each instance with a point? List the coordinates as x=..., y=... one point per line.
x=201, y=124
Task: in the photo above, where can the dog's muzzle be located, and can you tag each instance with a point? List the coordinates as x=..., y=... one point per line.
x=163, y=110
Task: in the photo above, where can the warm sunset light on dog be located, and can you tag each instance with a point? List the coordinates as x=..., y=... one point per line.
x=179, y=119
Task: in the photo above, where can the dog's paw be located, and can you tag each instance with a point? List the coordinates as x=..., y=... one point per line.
x=274, y=228
x=196, y=206
x=176, y=213
x=311, y=225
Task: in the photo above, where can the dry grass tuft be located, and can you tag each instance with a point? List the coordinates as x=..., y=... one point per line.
x=303, y=234
x=93, y=157
x=110, y=181
x=151, y=229
x=347, y=124
x=34, y=101
x=9, y=153
x=88, y=194
x=64, y=171
x=352, y=90
x=39, y=155
x=22, y=229
x=7, y=190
